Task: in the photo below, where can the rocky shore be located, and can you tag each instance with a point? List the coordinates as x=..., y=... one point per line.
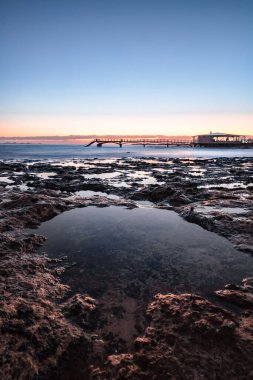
x=47, y=331
x=189, y=338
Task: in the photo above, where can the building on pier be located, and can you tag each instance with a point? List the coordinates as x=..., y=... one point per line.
x=220, y=140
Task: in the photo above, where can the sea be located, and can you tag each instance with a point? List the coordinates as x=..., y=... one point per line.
x=74, y=151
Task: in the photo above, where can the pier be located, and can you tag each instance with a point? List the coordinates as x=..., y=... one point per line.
x=100, y=142
x=211, y=140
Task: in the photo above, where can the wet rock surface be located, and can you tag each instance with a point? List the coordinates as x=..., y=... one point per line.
x=187, y=338
x=240, y=295
x=47, y=331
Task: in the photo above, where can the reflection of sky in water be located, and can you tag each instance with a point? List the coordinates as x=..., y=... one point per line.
x=6, y=180
x=227, y=210
x=22, y=187
x=90, y=193
x=102, y=175
x=142, y=177
x=45, y=175
x=114, y=247
x=228, y=185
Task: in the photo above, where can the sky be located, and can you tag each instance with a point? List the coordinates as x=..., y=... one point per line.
x=168, y=67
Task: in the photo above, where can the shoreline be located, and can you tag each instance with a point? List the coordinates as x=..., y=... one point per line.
x=33, y=294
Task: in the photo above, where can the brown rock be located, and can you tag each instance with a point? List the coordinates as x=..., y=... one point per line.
x=188, y=338
x=240, y=295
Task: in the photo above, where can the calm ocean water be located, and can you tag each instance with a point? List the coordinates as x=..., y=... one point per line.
x=46, y=151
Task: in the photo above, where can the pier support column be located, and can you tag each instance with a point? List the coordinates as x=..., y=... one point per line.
x=99, y=145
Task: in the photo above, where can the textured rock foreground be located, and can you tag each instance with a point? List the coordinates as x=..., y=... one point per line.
x=47, y=331
x=36, y=328
x=44, y=327
x=188, y=338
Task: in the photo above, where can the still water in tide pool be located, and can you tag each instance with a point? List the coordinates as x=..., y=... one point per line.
x=141, y=252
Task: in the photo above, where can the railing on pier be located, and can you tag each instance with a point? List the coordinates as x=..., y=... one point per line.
x=140, y=141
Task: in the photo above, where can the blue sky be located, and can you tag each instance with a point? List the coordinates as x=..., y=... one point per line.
x=126, y=58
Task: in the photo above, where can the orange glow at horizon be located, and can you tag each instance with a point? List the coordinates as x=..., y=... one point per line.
x=170, y=124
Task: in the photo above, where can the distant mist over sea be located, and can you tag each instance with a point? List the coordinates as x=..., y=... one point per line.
x=80, y=139
x=77, y=139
